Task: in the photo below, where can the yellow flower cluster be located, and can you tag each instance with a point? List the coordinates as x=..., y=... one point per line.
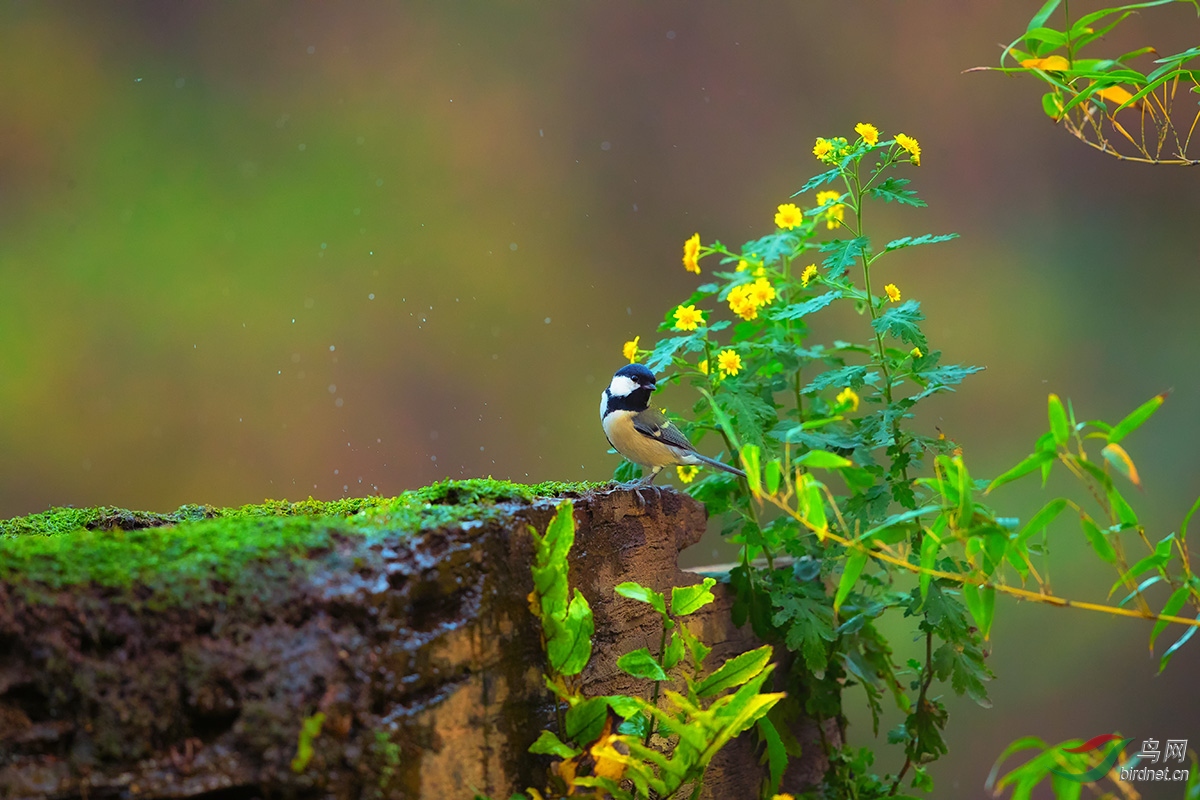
x=630, y=350
x=788, y=216
x=912, y=146
x=745, y=299
x=691, y=254
x=835, y=213
x=687, y=318
x=807, y=275
x=848, y=398
x=830, y=150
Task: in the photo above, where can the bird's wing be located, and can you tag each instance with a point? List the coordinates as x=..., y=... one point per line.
x=654, y=423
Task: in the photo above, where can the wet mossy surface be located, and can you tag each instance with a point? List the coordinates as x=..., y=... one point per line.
x=182, y=554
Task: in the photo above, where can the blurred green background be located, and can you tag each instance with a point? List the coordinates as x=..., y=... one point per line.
x=274, y=250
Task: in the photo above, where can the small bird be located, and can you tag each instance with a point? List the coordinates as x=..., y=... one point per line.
x=643, y=434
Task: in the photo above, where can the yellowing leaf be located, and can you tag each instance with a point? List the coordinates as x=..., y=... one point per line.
x=1114, y=94
x=1048, y=63
x=1116, y=456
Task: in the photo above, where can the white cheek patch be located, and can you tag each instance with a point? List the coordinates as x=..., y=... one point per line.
x=621, y=386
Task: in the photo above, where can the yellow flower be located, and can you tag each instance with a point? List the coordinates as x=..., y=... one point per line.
x=825, y=197
x=687, y=318
x=761, y=272
x=788, y=216
x=762, y=292
x=868, y=132
x=848, y=397
x=687, y=474
x=783, y=797
x=691, y=254
x=729, y=362
x=703, y=366
x=631, y=348
x=835, y=213
x=808, y=274
x=742, y=265
x=892, y=292
x=822, y=149
x=915, y=352
x=910, y=144
x=742, y=303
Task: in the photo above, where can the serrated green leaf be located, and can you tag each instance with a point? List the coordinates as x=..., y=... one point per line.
x=641, y=664
x=643, y=594
x=819, y=180
x=913, y=241
x=735, y=672
x=842, y=253
x=548, y=744
x=1058, y=421
x=854, y=376
x=854, y=567
x=893, y=189
x=803, y=308
x=901, y=321
x=690, y=599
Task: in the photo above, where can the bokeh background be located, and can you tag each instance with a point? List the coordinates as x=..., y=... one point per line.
x=281, y=250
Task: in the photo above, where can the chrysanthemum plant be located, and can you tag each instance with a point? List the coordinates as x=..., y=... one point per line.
x=850, y=508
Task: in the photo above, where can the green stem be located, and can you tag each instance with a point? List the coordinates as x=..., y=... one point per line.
x=926, y=680
x=662, y=649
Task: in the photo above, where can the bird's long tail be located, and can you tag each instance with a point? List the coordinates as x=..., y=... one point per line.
x=712, y=462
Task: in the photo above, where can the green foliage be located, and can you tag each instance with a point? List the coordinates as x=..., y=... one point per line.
x=628, y=747
x=1086, y=93
x=310, y=729
x=179, y=556
x=871, y=513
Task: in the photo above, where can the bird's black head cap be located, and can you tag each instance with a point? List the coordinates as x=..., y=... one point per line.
x=638, y=373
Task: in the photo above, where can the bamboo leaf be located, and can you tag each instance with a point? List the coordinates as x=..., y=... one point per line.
x=1026, y=466
x=1169, y=609
x=1058, y=421
x=1099, y=543
x=1135, y=419
x=854, y=567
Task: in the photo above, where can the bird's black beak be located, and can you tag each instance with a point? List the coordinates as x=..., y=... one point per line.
x=650, y=386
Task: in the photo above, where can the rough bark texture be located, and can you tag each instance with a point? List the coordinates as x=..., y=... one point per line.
x=419, y=650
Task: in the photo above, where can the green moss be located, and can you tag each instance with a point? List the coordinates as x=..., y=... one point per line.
x=185, y=551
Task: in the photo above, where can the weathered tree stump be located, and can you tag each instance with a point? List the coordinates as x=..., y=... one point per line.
x=193, y=673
